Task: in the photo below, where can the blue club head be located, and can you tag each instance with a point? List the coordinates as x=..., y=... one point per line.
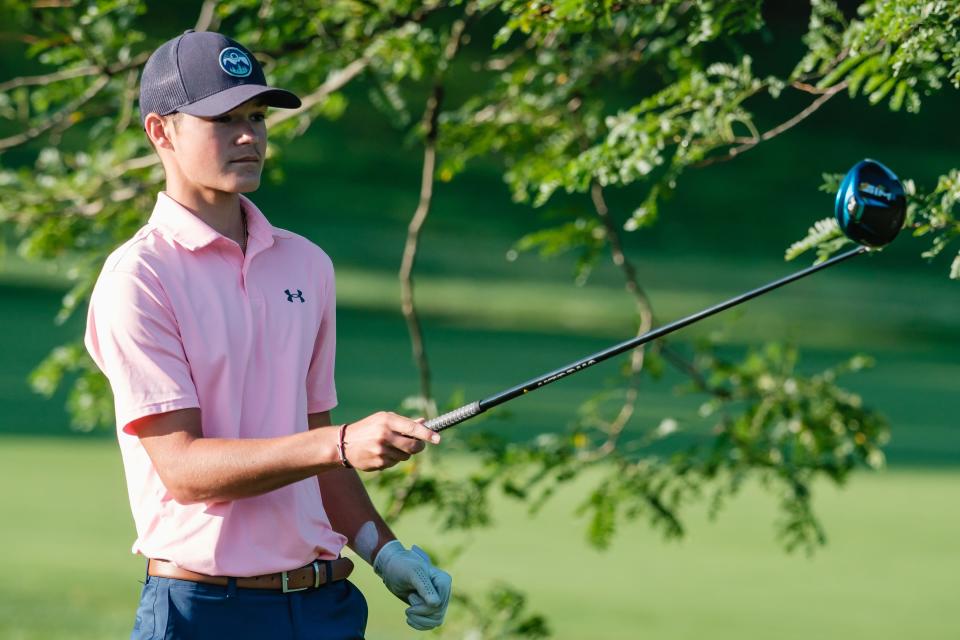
x=871, y=204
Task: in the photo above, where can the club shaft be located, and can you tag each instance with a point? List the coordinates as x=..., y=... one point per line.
x=468, y=411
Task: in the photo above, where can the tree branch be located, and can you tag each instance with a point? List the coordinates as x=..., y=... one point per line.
x=418, y=15
x=49, y=78
x=57, y=118
x=691, y=370
x=134, y=164
x=430, y=122
x=25, y=38
x=431, y=125
x=644, y=313
x=52, y=4
x=411, y=245
x=75, y=72
x=773, y=133
x=334, y=82
x=207, y=18
x=130, y=94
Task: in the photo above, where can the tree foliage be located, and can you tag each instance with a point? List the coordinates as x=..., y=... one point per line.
x=568, y=97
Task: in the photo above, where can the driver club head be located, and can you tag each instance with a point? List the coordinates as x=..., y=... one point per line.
x=871, y=204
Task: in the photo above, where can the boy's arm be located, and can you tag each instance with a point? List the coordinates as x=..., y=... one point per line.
x=407, y=573
x=348, y=505
x=194, y=468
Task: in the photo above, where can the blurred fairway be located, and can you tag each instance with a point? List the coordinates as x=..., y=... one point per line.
x=890, y=570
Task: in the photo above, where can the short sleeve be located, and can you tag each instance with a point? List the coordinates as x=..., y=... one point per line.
x=321, y=388
x=133, y=337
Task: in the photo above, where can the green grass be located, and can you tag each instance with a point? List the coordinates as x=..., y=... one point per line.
x=888, y=572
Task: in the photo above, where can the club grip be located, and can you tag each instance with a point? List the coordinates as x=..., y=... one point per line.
x=451, y=418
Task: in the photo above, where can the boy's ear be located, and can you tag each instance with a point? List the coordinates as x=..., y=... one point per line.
x=156, y=127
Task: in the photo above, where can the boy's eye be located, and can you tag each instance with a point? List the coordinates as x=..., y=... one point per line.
x=260, y=116
x=222, y=119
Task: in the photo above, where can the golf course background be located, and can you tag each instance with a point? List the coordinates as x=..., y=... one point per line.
x=890, y=567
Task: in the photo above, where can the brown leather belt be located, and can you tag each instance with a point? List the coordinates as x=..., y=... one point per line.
x=311, y=576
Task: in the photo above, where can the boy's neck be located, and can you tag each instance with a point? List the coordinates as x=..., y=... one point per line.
x=220, y=210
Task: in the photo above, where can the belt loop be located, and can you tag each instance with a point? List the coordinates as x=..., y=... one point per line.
x=231, y=587
x=146, y=570
x=329, y=566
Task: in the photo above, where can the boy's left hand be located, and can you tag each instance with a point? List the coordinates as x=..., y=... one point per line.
x=409, y=575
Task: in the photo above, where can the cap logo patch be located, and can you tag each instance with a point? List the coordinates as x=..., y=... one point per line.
x=235, y=62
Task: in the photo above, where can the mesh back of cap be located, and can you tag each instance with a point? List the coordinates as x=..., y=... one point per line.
x=161, y=88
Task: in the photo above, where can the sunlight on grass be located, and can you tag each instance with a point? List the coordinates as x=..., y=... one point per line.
x=888, y=571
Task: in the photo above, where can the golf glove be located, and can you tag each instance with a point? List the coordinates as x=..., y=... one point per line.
x=409, y=575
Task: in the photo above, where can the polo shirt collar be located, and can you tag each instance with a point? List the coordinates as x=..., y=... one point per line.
x=192, y=233
x=260, y=232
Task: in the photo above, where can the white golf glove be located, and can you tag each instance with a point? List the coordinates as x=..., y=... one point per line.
x=410, y=576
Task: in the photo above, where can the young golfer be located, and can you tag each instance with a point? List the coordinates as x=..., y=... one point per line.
x=217, y=333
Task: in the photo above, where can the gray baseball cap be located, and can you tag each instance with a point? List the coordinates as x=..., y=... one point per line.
x=205, y=74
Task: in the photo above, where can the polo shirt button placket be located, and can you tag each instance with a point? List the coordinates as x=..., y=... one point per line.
x=243, y=272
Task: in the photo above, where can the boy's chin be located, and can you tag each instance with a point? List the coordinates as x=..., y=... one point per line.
x=243, y=186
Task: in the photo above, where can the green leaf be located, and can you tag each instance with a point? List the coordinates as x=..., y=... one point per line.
x=841, y=70
x=875, y=81
x=821, y=232
x=896, y=101
x=881, y=92
x=856, y=78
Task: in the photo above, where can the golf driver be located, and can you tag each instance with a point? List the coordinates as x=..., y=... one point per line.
x=870, y=209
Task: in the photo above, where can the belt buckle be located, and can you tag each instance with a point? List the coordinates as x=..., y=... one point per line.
x=284, y=579
x=286, y=589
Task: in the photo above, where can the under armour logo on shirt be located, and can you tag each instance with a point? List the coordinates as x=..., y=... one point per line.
x=291, y=296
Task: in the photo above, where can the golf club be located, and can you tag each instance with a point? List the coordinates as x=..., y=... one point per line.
x=870, y=209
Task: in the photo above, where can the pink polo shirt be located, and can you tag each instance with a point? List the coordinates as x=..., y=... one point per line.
x=180, y=318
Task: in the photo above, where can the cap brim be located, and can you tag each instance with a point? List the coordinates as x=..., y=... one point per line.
x=229, y=99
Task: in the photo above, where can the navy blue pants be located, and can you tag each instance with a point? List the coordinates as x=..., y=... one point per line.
x=182, y=610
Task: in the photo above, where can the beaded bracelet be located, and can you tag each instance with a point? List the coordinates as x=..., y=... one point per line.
x=341, y=447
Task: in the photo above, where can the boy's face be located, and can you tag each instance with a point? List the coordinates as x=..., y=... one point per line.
x=225, y=153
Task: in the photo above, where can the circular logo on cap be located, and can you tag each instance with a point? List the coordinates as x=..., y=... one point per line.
x=235, y=62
